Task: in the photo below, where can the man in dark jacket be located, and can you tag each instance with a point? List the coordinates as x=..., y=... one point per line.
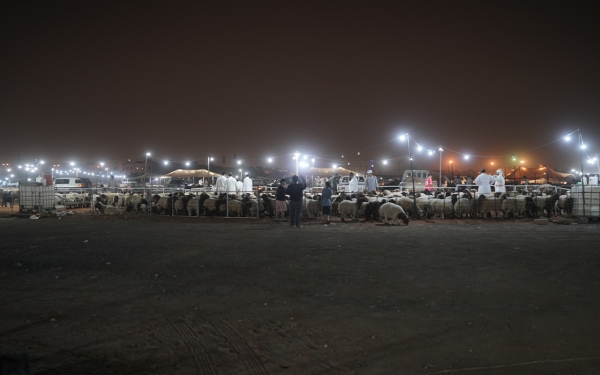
x=295, y=192
x=280, y=204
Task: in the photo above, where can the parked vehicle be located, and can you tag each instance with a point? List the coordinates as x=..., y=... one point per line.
x=420, y=178
x=177, y=183
x=71, y=183
x=345, y=180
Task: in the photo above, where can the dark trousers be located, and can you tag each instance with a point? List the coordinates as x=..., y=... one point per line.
x=295, y=212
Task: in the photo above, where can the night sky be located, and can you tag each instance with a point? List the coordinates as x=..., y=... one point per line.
x=99, y=80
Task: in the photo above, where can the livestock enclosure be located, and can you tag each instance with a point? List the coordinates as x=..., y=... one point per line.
x=550, y=201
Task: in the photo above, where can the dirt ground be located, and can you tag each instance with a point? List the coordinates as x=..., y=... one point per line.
x=157, y=295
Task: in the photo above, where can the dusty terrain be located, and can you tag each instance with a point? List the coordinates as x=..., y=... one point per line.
x=152, y=295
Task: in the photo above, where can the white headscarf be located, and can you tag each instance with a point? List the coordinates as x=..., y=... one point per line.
x=499, y=171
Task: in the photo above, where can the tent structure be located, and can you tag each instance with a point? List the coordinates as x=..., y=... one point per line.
x=189, y=173
x=329, y=171
x=541, y=175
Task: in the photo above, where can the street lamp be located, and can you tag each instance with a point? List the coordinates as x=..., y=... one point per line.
x=296, y=157
x=440, y=149
x=412, y=173
x=146, y=167
x=582, y=147
x=208, y=160
x=312, y=177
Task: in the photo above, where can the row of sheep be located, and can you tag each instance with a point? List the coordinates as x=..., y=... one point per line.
x=447, y=205
x=454, y=204
x=186, y=204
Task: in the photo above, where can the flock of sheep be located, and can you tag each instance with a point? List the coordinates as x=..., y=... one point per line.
x=387, y=206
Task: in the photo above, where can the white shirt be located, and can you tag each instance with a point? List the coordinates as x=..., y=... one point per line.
x=484, y=181
x=239, y=185
x=247, y=188
x=221, y=184
x=353, y=185
x=500, y=185
x=231, y=185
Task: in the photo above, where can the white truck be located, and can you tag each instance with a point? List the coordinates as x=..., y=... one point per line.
x=420, y=177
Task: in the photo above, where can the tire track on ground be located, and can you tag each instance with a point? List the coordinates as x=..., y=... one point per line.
x=250, y=360
x=191, y=339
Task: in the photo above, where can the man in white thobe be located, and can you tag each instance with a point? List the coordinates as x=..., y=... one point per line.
x=353, y=183
x=371, y=182
x=484, y=181
x=500, y=185
x=247, y=188
x=221, y=183
x=231, y=184
x=239, y=185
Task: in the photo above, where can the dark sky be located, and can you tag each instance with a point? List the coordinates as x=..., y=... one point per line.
x=99, y=80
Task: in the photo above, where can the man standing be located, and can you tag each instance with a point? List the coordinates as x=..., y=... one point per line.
x=457, y=180
x=221, y=183
x=295, y=192
x=231, y=184
x=112, y=184
x=353, y=183
x=247, y=187
x=371, y=182
x=484, y=181
x=500, y=185
x=334, y=182
x=280, y=204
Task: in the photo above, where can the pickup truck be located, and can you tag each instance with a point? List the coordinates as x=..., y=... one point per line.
x=344, y=181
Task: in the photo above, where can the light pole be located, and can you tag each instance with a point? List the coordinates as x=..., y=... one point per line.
x=208, y=159
x=582, y=147
x=296, y=156
x=412, y=173
x=440, y=149
x=146, y=167
x=312, y=177
x=595, y=159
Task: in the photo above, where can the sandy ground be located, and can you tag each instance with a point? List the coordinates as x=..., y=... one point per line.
x=159, y=295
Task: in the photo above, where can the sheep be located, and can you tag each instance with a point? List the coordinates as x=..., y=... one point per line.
x=210, y=205
x=133, y=202
x=520, y=206
x=392, y=212
x=464, y=205
x=564, y=204
x=114, y=199
x=106, y=209
x=546, y=203
x=162, y=205
x=372, y=210
x=407, y=205
x=442, y=207
x=346, y=208
x=313, y=206
x=488, y=205
x=269, y=204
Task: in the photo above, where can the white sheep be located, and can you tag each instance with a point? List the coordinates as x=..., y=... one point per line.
x=107, y=209
x=392, y=212
x=347, y=208
x=489, y=205
x=464, y=206
x=407, y=204
x=442, y=207
x=518, y=206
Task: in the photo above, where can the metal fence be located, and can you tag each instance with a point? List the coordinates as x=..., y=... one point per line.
x=164, y=201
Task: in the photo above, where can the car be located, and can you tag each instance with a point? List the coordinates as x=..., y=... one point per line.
x=344, y=181
x=258, y=184
x=71, y=183
x=177, y=183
